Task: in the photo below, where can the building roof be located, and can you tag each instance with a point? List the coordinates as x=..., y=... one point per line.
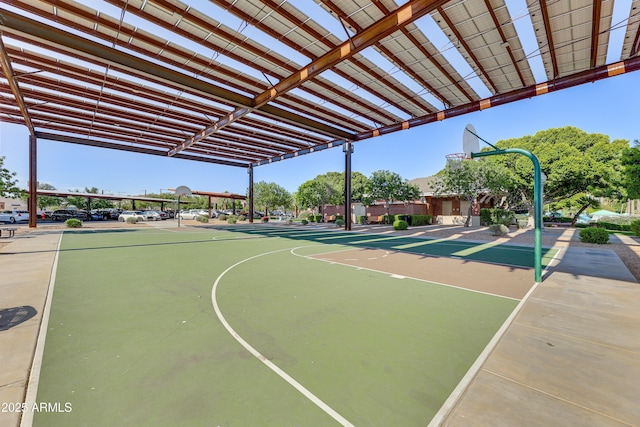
x=425, y=184
x=177, y=78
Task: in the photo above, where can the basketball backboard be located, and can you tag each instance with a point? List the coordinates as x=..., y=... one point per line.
x=470, y=143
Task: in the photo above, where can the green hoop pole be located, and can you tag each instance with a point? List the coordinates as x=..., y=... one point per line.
x=537, y=203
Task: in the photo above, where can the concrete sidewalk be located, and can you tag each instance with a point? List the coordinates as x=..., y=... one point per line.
x=571, y=355
x=26, y=265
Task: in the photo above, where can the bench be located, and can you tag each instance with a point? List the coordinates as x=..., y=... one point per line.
x=376, y=219
x=10, y=231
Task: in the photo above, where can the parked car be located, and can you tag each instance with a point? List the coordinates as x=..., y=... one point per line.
x=138, y=215
x=82, y=214
x=163, y=215
x=152, y=215
x=103, y=214
x=14, y=216
x=583, y=219
x=190, y=214
x=202, y=212
x=65, y=214
x=114, y=213
x=553, y=215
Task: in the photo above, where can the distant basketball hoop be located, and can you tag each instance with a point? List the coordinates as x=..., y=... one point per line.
x=454, y=160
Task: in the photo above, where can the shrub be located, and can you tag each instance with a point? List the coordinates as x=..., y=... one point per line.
x=222, y=217
x=485, y=216
x=73, y=223
x=339, y=223
x=339, y=217
x=619, y=219
x=594, y=235
x=132, y=220
x=311, y=218
x=522, y=223
x=614, y=226
x=400, y=224
x=242, y=218
x=498, y=229
x=362, y=219
x=635, y=227
x=420, y=219
x=231, y=220
x=501, y=216
x=202, y=218
x=304, y=222
x=496, y=216
x=317, y=218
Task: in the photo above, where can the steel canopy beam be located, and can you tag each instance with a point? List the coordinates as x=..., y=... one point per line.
x=587, y=76
x=404, y=15
x=549, y=33
x=39, y=32
x=103, y=144
x=5, y=63
x=566, y=82
x=595, y=31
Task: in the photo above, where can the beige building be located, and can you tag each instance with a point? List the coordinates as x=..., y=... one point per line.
x=12, y=204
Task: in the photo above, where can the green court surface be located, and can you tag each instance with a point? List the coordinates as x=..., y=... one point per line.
x=239, y=327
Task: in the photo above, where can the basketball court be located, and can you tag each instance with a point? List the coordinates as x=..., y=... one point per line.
x=494, y=279
x=298, y=330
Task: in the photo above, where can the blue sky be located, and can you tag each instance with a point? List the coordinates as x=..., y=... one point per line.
x=609, y=107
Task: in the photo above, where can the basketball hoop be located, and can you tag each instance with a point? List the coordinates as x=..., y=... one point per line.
x=454, y=160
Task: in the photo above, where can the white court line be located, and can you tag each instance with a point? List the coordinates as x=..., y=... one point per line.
x=311, y=257
x=458, y=392
x=312, y=397
x=36, y=366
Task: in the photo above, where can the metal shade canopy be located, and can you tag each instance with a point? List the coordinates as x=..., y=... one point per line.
x=246, y=83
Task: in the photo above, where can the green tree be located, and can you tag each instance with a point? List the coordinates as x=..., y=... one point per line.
x=328, y=189
x=630, y=161
x=270, y=195
x=8, y=182
x=336, y=180
x=470, y=179
x=390, y=187
x=46, y=201
x=81, y=201
x=578, y=203
x=315, y=193
x=574, y=162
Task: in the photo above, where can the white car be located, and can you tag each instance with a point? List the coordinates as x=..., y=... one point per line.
x=14, y=216
x=138, y=215
x=190, y=214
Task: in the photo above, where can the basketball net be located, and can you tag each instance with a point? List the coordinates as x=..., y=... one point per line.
x=454, y=160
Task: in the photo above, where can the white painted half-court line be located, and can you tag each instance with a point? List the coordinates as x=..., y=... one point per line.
x=326, y=408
